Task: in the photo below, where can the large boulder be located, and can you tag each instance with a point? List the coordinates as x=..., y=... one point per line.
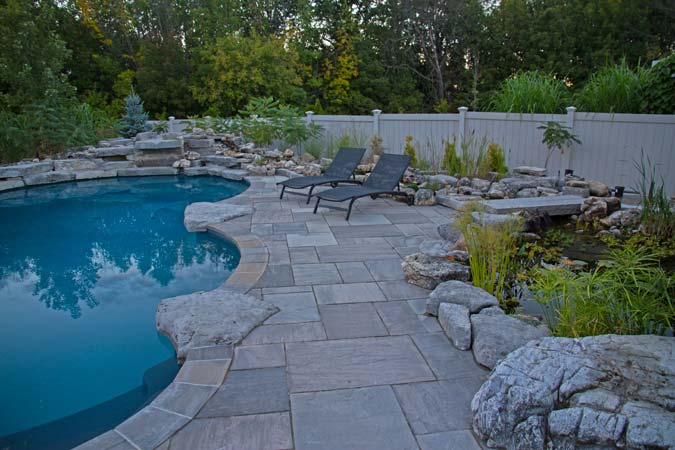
x=460, y=293
x=598, y=188
x=530, y=170
x=497, y=335
x=425, y=197
x=209, y=318
x=595, y=392
x=427, y=272
x=25, y=169
x=449, y=232
x=199, y=215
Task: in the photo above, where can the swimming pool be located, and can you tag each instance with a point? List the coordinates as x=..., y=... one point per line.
x=82, y=268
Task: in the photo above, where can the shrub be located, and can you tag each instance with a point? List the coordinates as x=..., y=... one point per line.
x=451, y=163
x=134, y=119
x=557, y=137
x=50, y=126
x=376, y=147
x=410, y=150
x=531, y=92
x=265, y=119
x=615, y=89
x=495, y=160
x=629, y=293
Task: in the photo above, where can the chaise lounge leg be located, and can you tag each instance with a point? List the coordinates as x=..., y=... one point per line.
x=283, y=188
x=349, y=210
x=317, y=204
x=309, y=194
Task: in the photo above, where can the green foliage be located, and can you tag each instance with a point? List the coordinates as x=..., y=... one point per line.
x=32, y=55
x=659, y=91
x=557, y=137
x=629, y=293
x=237, y=68
x=656, y=215
x=161, y=126
x=264, y=120
x=134, y=118
x=491, y=249
x=615, y=89
x=44, y=128
x=531, y=92
x=409, y=149
x=495, y=159
x=376, y=148
x=313, y=147
x=451, y=162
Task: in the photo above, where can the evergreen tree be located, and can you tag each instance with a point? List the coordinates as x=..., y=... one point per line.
x=133, y=121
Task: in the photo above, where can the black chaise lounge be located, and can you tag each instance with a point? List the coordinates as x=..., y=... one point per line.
x=384, y=178
x=339, y=171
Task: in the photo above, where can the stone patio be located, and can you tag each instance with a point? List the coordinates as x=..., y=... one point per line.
x=349, y=361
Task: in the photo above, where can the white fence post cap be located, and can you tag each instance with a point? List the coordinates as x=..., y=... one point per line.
x=377, y=112
x=463, y=109
x=571, y=109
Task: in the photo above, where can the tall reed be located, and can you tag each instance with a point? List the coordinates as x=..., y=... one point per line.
x=615, y=89
x=531, y=92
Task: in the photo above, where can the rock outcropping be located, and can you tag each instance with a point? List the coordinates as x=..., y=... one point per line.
x=217, y=317
x=600, y=392
x=199, y=215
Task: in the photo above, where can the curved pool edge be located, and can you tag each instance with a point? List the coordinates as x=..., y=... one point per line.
x=204, y=369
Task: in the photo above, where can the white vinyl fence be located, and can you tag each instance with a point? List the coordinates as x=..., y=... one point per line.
x=611, y=143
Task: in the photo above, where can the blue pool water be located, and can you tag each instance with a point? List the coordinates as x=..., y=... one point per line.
x=82, y=268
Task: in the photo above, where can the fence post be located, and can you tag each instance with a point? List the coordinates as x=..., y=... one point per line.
x=376, y=122
x=171, y=124
x=309, y=115
x=461, y=129
x=571, y=110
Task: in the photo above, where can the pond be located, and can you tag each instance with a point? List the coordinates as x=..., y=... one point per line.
x=82, y=268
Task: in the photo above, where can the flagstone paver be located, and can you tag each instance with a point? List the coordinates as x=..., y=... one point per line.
x=349, y=361
x=368, y=418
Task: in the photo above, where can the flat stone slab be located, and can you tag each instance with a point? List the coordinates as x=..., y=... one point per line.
x=445, y=360
x=210, y=318
x=199, y=215
x=311, y=240
x=48, y=178
x=448, y=440
x=438, y=405
x=150, y=427
x=352, y=320
x=158, y=144
x=460, y=293
x=329, y=294
x=349, y=363
x=368, y=418
x=147, y=171
x=249, y=392
x=294, y=308
x=308, y=274
x=557, y=205
x=260, y=431
x=259, y=356
x=286, y=332
x=14, y=183
x=25, y=169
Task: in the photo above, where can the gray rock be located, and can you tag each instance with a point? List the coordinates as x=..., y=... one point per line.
x=460, y=293
x=436, y=248
x=196, y=171
x=25, y=169
x=219, y=160
x=649, y=426
x=445, y=180
x=449, y=232
x=527, y=193
x=425, y=197
x=530, y=434
x=77, y=164
x=454, y=319
x=427, y=272
x=287, y=173
x=95, y=174
x=513, y=185
x=598, y=188
x=579, y=191
x=199, y=143
x=483, y=218
x=146, y=135
x=496, y=336
x=546, y=375
x=158, y=144
x=48, y=177
x=117, y=165
x=14, y=183
x=147, y=171
x=216, y=317
x=530, y=170
x=480, y=184
x=199, y=215
x=107, y=152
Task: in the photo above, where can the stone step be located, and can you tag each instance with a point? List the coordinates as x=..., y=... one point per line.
x=559, y=205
